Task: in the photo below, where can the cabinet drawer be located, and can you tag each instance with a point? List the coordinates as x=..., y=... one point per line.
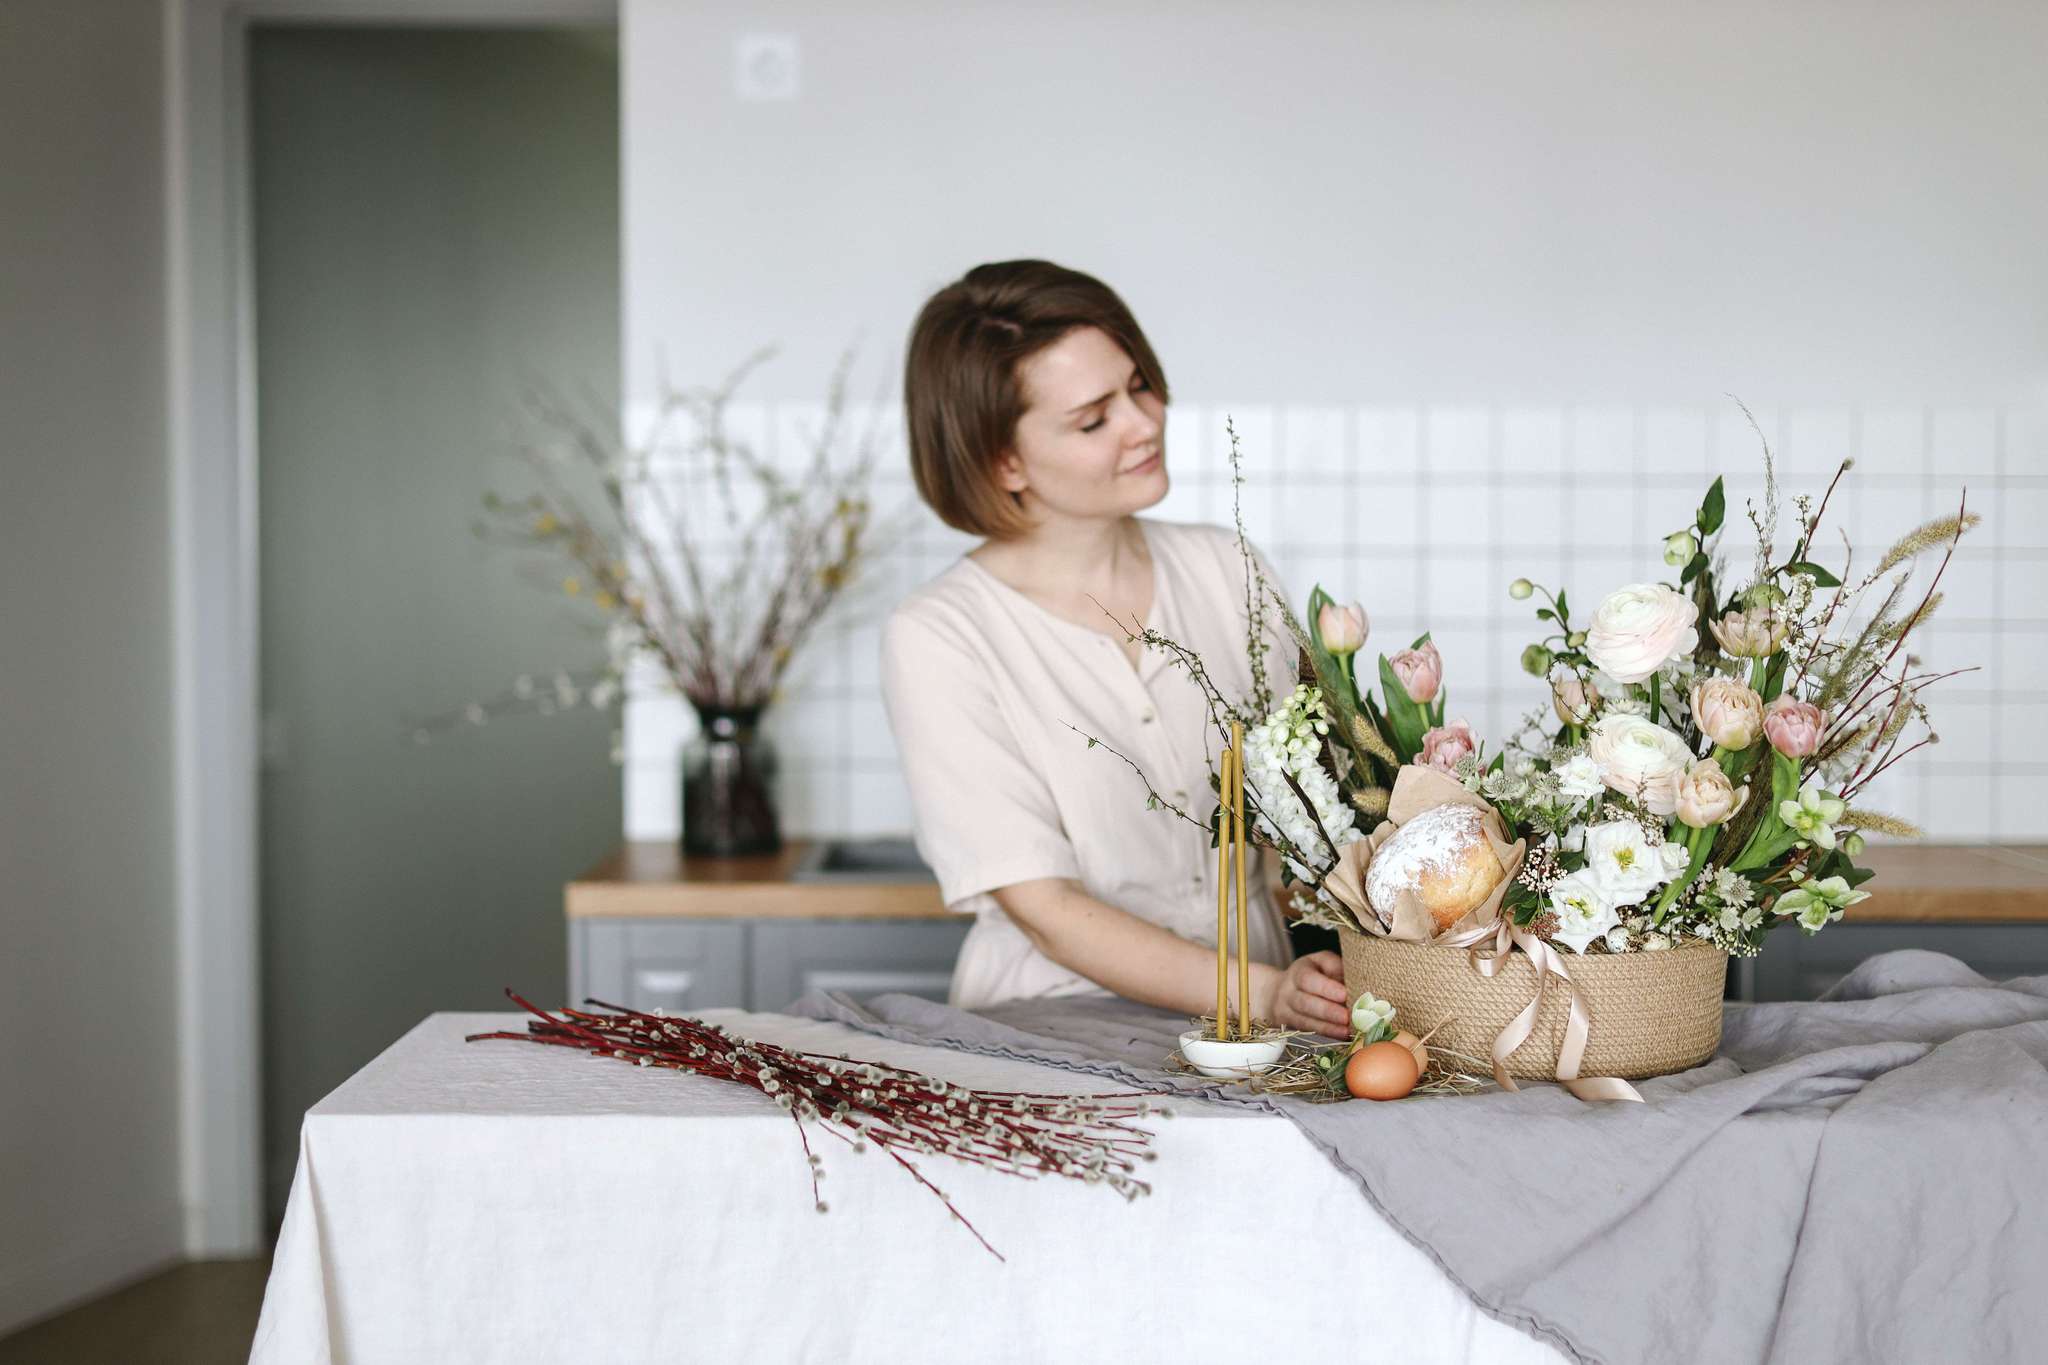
x=675, y=965
x=863, y=958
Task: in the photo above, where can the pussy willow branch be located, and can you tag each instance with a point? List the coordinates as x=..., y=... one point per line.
x=1022, y=1133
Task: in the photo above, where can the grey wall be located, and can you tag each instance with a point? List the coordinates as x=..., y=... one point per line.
x=88, y=1059
x=1474, y=281
x=436, y=213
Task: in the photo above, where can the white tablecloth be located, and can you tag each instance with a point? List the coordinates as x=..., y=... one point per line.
x=499, y=1201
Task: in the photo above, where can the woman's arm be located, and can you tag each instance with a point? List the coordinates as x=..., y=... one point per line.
x=1143, y=962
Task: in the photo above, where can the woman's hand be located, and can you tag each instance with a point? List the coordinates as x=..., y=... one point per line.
x=1309, y=995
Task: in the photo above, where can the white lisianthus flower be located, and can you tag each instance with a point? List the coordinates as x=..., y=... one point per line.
x=1638, y=628
x=1639, y=759
x=1626, y=866
x=1574, y=840
x=1578, y=777
x=1582, y=909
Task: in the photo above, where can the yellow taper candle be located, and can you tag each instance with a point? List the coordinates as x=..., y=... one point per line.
x=1244, y=954
x=1223, y=901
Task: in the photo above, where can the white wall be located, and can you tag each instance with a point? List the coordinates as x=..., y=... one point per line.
x=1474, y=280
x=88, y=1070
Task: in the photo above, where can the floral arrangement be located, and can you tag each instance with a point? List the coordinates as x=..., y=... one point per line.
x=1697, y=773
x=688, y=544
x=899, y=1113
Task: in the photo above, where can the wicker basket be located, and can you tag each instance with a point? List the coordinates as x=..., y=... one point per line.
x=1653, y=1013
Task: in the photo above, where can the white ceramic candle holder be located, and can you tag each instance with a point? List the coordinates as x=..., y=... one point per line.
x=1233, y=1059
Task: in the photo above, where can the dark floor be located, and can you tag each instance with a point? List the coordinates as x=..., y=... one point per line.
x=201, y=1313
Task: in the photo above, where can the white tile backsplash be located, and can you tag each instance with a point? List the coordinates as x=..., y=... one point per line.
x=1425, y=512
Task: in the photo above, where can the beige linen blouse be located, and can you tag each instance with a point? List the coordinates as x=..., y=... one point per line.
x=982, y=684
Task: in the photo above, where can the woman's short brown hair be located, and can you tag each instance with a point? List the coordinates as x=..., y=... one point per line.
x=962, y=395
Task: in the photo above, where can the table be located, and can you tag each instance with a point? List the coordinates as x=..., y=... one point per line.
x=499, y=1201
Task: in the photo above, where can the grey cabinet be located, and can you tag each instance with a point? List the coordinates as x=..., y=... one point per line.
x=643, y=963
x=1795, y=967
x=758, y=964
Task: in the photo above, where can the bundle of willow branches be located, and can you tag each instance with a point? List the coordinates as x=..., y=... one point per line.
x=1083, y=1137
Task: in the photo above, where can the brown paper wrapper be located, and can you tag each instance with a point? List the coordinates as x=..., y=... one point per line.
x=1417, y=789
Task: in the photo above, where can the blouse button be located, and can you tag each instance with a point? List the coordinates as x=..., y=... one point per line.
x=1146, y=715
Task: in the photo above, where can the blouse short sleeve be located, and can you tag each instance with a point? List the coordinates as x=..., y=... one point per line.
x=985, y=817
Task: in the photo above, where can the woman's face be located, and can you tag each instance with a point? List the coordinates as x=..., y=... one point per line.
x=1092, y=440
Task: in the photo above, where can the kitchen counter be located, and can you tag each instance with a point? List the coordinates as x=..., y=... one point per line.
x=655, y=878
x=1915, y=883
x=650, y=927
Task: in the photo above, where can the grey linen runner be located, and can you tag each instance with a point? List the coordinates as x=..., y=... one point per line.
x=1858, y=1178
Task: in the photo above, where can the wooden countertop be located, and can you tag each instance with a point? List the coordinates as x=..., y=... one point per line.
x=654, y=878
x=1915, y=883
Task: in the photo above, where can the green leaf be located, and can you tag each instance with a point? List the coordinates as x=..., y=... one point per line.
x=1784, y=779
x=1420, y=640
x=1694, y=567
x=1564, y=612
x=1814, y=571
x=1406, y=719
x=1545, y=614
x=1713, y=510
x=1316, y=598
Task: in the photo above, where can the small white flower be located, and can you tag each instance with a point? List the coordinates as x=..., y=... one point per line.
x=1579, y=778
x=1582, y=909
x=1624, y=864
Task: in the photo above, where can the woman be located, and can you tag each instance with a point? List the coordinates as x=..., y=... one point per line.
x=1036, y=414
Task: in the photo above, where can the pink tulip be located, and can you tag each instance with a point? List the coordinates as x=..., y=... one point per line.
x=1343, y=628
x=1443, y=746
x=1421, y=672
x=1794, y=727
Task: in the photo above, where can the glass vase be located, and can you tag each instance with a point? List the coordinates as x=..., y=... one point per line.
x=728, y=785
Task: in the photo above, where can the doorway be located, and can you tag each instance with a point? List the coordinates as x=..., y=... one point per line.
x=436, y=216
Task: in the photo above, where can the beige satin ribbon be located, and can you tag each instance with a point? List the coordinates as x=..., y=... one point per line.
x=1487, y=947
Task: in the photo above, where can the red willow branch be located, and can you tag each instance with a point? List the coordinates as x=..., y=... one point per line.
x=1082, y=1137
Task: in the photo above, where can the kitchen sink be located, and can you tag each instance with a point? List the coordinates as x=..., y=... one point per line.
x=887, y=859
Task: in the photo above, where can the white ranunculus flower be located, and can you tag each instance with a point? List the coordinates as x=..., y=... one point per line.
x=1582, y=910
x=1625, y=866
x=1578, y=777
x=1638, y=628
x=1640, y=759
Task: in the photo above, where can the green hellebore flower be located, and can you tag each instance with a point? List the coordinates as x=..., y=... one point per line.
x=1812, y=817
x=1536, y=661
x=1520, y=589
x=1820, y=902
x=1679, y=548
x=1372, y=1018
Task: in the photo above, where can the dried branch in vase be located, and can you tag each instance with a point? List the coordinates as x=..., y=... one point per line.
x=1083, y=1137
x=689, y=541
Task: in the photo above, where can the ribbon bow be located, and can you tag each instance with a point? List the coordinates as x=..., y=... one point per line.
x=1487, y=947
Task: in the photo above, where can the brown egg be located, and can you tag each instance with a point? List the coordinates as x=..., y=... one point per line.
x=1381, y=1071
x=1416, y=1046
